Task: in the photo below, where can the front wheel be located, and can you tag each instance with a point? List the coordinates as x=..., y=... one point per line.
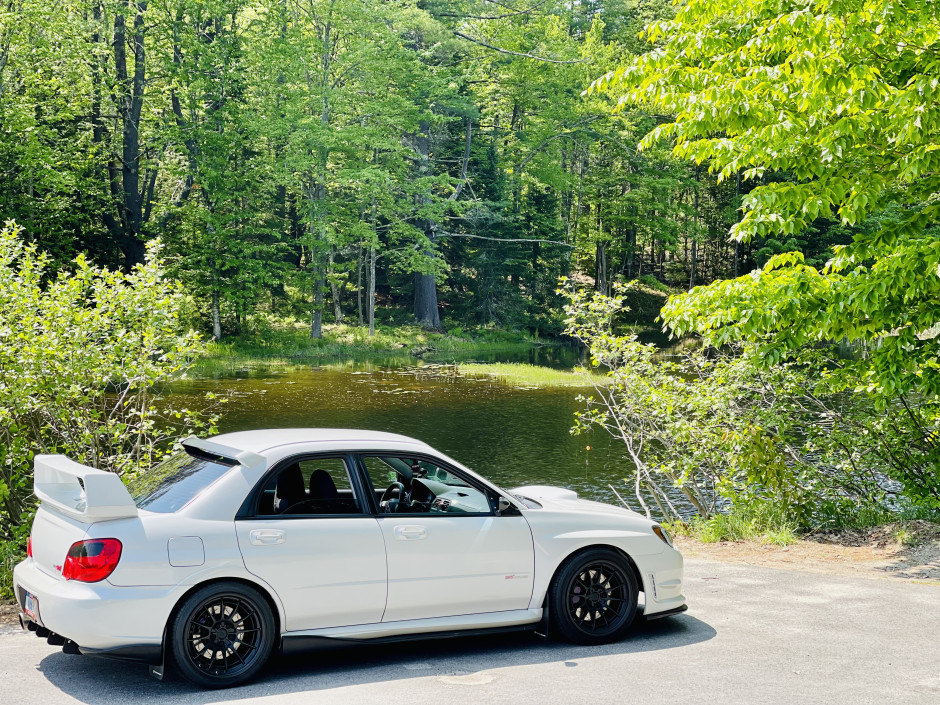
x=593, y=597
x=222, y=635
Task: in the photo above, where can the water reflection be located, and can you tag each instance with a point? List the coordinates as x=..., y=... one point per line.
x=512, y=436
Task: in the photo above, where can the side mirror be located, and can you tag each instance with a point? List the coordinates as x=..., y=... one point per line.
x=503, y=505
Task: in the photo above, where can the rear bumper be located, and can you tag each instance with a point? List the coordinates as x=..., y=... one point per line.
x=98, y=618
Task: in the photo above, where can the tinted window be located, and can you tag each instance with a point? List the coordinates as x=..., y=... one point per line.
x=172, y=484
x=310, y=487
x=414, y=486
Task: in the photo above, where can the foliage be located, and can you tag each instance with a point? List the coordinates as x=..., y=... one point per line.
x=726, y=429
x=671, y=424
x=81, y=353
x=313, y=157
x=531, y=376
x=766, y=523
x=837, y=94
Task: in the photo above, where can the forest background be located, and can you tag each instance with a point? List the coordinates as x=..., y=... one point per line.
x=324, y=170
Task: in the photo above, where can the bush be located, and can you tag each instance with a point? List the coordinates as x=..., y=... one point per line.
x=82, y=353
x=784, y=441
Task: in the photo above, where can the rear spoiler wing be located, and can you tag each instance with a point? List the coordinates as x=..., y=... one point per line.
x=91, y=495
x=79, y=491
x=219, y=453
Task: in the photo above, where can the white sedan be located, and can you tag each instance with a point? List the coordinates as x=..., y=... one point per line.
x=258, y=541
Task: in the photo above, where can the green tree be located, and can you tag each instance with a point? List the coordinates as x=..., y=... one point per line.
x=80, y=355
x=838, y=94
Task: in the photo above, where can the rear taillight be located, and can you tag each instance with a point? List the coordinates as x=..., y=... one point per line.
x=29, y=547
x=91, y=560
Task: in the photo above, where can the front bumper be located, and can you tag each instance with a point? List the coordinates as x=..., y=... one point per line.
x=662, y=583
x=95, y=618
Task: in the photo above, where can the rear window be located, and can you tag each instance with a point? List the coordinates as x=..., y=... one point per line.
x=172, y=484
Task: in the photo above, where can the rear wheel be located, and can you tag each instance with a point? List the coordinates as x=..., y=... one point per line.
x=593, y=597
x=222, y=635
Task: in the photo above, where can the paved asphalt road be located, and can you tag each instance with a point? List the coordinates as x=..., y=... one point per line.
x=752, y=635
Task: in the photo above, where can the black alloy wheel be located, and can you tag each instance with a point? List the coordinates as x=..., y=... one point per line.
x=593, y=597
x=222, y=635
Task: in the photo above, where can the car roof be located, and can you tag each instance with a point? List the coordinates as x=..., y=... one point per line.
x=261, y=440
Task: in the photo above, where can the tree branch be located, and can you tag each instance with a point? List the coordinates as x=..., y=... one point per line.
x=444, y=233
x=514, y=13
x=515, y=53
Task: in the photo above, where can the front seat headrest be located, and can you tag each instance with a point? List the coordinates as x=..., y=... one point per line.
x=289, y=489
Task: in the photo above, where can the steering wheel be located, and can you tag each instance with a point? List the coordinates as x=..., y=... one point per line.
x=391, y=498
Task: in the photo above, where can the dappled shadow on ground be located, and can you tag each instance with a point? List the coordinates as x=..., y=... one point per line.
x=97, y=681
x=914, y=563
x=905, y=549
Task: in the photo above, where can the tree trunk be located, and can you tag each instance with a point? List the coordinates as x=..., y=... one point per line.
x=371, y=301
x=334, y=290
x=427, y=313
x=316, y=319
x=631, y=251
x=130, y=104
x=359, y=268
x=216, y=318
x=600, y=279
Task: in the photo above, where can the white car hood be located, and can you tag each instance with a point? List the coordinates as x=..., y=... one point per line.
x=559, y=498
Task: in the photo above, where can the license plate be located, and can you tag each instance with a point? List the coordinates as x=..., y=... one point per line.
x=31, y=608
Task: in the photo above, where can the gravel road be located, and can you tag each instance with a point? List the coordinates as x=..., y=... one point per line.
x=751, y=635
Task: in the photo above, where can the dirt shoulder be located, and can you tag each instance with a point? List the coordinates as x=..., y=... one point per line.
x=8, y=612
x=906, y=551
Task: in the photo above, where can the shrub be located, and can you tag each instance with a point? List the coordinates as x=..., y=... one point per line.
x=784, y=440
x=82, y=353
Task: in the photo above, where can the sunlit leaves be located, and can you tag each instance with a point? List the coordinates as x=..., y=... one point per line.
x=80, y=355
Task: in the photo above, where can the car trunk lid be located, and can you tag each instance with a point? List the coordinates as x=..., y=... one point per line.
x=52, y=536
x=72, y=497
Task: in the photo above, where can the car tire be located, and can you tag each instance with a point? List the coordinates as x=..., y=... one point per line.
x=221, y=635
x=593, y=597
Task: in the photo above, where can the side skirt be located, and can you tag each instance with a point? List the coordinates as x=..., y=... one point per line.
x=435, y=628
x=298, y=644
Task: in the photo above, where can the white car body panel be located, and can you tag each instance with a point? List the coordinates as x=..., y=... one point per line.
x=558, y=531
x=352, y=577
x=328, y=572
x=440, y=566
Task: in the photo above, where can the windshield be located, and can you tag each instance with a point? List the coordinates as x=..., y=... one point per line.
x=172, y=484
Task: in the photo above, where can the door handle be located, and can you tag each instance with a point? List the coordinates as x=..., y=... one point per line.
x=266, y=537
x=410, y=533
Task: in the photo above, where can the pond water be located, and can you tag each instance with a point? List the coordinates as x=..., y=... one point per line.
x=512, y=435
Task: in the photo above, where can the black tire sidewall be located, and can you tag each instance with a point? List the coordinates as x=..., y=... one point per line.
x=176, y=649
x=560, y=621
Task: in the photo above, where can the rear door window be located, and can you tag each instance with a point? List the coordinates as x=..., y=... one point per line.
x=172, y=484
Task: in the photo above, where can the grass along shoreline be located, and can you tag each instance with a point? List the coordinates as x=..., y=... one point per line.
x=340, y=342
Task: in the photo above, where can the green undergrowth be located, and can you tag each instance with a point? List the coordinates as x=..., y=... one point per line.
x=11, y=553
x=772, y=525
x=293, y=344
x=768, y=528
x=532, y=375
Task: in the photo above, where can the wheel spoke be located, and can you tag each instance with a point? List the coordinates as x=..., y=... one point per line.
x=243, y=618
x=597, y=598
x=237, y=655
